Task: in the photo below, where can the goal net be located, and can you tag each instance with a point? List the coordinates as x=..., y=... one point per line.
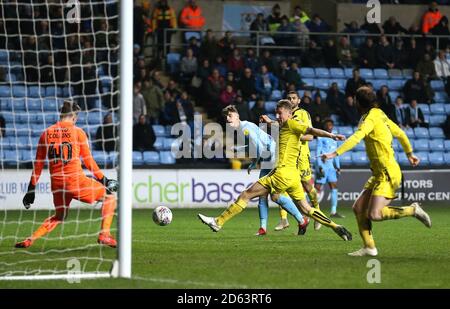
x=52, y=51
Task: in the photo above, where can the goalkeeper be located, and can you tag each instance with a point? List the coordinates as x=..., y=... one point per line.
x=64, y=143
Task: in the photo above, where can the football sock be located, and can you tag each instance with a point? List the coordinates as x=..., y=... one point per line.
x=365, y=230
x=108, y=208
x=231, y=211
x=283, y=214
x=49, y=225
x=320, y=217
x=313, y=198
x=334, y=200
x=392, y=212
x=263, y=208
x=288, y=205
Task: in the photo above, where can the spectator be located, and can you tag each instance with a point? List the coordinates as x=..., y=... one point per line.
x=392, y=26
x=220, y=66
x=429, y=49
x=228, y=96
x=345, y=52
x=258, y=110
x=368, y=54
x=426, y=68
x=213, y=88
x=230, y=80
x=139, y=105
x=414, y=53
x=330, y=54
x=204, y=71
x=194, y=44
x=383, y=97
x=399, y=113
x=235, y=63
x=441, y=66
x=293, y=76
x=191, y=16
x=354, y=83
x=188, y=66
x=321, y=111
x=300, y=14
x=209, y=48
x=163, y=18
x=107, y=135
x=385, y=54
x=282, y=74
x=442, y=29
x=170, y=115
x=274, y=20
x=400, y=55
x=250, y=60
x=226, y=45
x=431, y=18
x=306, y=102
x=318, y=25
x=247, y=85
x=282, y=38
x=185, y=109
x=415, y=89
x=267, y=60
x=266, y=82
x=242, y=107
x=173, y=88
x=352, y=27
x=372, y=28
x=335, y=98
x=2, y=126
x=302, y=38
x=154, y=101
x=143, y=135
x=414, y=116
x=260, y=24
x=313, y=56
x=349, y=112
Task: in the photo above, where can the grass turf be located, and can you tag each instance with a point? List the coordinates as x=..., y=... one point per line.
x=186, y=254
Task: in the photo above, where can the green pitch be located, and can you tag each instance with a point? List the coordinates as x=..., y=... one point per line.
x=186, y=254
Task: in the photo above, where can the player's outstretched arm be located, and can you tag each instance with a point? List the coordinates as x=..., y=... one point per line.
x=322, y=133
x=404, y=141
x=41, y=153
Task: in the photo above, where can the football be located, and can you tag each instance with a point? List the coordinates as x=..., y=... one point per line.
x=162, y=215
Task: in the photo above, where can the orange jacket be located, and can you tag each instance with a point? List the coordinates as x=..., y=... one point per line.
x=429, y=20
x=164, y=18
x=192, y=18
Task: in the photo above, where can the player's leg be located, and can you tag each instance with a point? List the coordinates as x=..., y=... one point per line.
x=360, y=209
x=61, y=201
x=332, y=182
x=289, y=206
x=306, y=178
x=235, y=208
x=284, y=222
x=263, y=208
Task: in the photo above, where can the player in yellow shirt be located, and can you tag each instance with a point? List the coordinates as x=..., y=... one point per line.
x=377, y=131
x=284, y=178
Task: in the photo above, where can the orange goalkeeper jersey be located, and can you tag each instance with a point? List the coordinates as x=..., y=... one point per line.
x=63, y=144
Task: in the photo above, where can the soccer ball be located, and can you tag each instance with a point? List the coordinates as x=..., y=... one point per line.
x=162, y=215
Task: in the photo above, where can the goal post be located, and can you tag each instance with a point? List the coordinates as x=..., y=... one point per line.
x=50, y=52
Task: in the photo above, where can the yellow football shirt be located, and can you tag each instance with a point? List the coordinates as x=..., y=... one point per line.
x=303, y=116
x=288, y=143
x=377, y=130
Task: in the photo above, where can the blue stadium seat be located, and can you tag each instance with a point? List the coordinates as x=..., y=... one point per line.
x=437, y=85
x=308, y=81
x=4, y=55
x=100, y=157
x=113, y=158
x=322, y=73
x=82, y=119
x=22, y=129
x=151, y=157
x=94, y=118
x=106, y=81
x=51, y=118
x=436, y=133
x=340, y=82
x=35, y=91
x=34, y=105
x=346, y=158
x=407, y=73
x=402, y=159
x=336, y=119
x=159, y=130
x=137, y=158
x=170, y=142
x=9, y=117
x=11, y=157
x=347, y=131
x=421, y=145
x=395, y=84
x=440, y=97
x=437, y=120
x=50, y=105
x=38, y=118
x=52, y=91
x=421, y=133
x=361, y=146
x=313, y=144
x=307, y=73
x=5, y=104
x=447, y=145
x=447, y=158
x=395, y=74
x=393, y=95
x=437, y=145
x=18, y=104
x=410, y=132
x=11, y=77
x=378, y=83
x=437, y=109
x=360, y=158
x=447, y=108
x=322, y=84
x=190, y=34
x=396, y=145
x=166, y=157
x=423, y=157
x=159, y=142
x=380, y=74
x=366, y=73
x=173, y=60
x=276, y=95
x=436, y=158
x=425, y=108
x=337, y=73
x=67, y=92
x=27, y=155
x=168, y=130
x=251, y=104
x=270, y=106
x=19, y=91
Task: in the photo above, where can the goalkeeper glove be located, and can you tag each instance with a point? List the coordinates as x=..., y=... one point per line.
x=28, y=199
x=111, y=185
